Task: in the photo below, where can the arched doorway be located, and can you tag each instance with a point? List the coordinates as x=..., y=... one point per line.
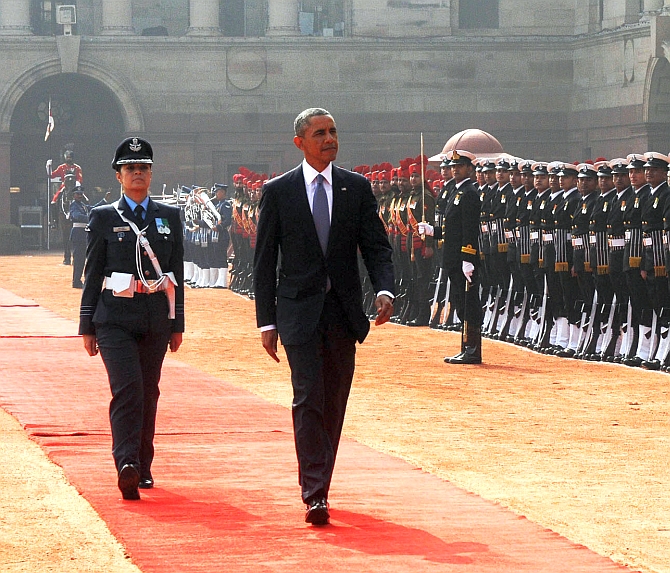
x=87, y=116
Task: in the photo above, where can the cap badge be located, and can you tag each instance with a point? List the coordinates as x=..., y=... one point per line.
x=135, y=145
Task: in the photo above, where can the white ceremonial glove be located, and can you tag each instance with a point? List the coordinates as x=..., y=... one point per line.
x=468, y=269
x=48, y=166
x=426, y=229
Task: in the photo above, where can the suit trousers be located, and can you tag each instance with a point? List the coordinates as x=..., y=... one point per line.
x=322, y=370
x=133, y=362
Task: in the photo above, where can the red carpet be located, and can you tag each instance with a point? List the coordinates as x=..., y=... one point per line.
x=226, y=497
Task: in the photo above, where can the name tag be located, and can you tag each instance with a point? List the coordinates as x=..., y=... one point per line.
x=120, y=229
x=647, y=242
x=627, y=235
x=592, y=239
x=577, y=242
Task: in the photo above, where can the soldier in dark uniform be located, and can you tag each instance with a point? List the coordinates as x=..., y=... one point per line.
x=616, y=240
x=599, y=259
x=587, y=185
x=132, y=307
x=487, y=273
x=641, y=306
x=460, y=257
x=524, y=210
x=221, y=236
x=79, y=219
x=567, y=333
x=653, y=268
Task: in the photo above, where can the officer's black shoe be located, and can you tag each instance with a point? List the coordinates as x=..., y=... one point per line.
x=593, y=357
x=448, y=359
x=470, y=356
x=651, y=364
x=66, y=262
x=77, y=285
x=418, y=322
x=129, y=480
x=632, y=361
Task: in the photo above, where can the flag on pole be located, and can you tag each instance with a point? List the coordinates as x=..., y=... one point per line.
x=50, y=125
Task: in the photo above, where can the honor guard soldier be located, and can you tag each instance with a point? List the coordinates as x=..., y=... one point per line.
x=460, y=257
x=567, y=333
x=220, y=245
x=653, y=267
x=524, y=210
x=132, y=307
x=603, y=338
x=641, y=306
x=420, y=208
x=79, y=219
x=616, y=242
x=587, y=184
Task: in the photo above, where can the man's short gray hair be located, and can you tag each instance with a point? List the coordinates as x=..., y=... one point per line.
x=303, y=120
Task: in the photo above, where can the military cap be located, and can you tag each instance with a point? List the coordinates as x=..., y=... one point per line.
x=619, y=166
x=656, y=160
x=78, y=189
x=384, y=176
x=445, y=162
x=488, y=165
x=567, y=170
x=604, y=169
x=133, y=150
x=514, y=164
x=636, y=161
x=502, y=163
x=554, y=168
x=460, y=157
x=415, y=168
x=540, y=168
x=586, y=170
x=526, y=166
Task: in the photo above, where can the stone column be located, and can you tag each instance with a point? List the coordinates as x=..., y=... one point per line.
x=666, y=7
x=204, y=18
x=117, y=17
x=283, y=18
x=651, y=8
x=15, y=17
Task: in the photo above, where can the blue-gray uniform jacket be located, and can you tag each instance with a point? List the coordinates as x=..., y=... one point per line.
x=111, y=248
x=78, y=214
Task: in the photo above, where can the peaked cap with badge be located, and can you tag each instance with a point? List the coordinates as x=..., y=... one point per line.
x=133, y=150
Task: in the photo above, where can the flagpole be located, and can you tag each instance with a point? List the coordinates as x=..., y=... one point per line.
x=50, y=126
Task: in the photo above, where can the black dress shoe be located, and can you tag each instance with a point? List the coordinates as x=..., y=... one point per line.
x=317, y=511
x=418, y=322
x=77, y=285
x=129, y=479
x=651, y=364
x=146, y=483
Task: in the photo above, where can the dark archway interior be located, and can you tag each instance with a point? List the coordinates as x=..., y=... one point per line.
x=87, y=117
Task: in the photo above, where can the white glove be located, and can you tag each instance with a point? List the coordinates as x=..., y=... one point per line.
x=468, y=269
x=48, y=166
x=426, y=229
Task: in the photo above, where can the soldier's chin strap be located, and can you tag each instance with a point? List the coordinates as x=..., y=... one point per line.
x=165, y=281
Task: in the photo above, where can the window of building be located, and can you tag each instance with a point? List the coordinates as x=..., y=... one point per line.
x=321, y=17
x=43, y=17
x=478, y=14
x=243, y=18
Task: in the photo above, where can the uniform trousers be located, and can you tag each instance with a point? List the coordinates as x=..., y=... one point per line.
x=133, y=361
x=322, y=370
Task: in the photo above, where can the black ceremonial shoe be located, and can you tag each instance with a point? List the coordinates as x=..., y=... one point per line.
x=129, y=479
x=146, y=483
x=317, y=511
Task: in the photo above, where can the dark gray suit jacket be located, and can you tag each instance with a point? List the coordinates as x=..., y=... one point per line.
x=292, y=295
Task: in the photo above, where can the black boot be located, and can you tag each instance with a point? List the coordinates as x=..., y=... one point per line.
x=471, y=346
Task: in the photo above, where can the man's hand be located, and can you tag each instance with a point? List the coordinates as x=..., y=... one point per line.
x=90, y=344
x=175, y=341
x=384, y=306
x=269, y=340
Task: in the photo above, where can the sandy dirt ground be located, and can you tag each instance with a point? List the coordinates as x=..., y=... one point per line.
x=580, y=448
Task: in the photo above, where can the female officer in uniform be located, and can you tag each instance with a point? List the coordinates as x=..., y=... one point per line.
x=132, y=307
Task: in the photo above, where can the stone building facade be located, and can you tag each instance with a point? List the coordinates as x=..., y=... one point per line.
x=215, y=84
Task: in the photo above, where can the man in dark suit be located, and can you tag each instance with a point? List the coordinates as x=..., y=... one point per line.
x=132, y=307
x=318, y=216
